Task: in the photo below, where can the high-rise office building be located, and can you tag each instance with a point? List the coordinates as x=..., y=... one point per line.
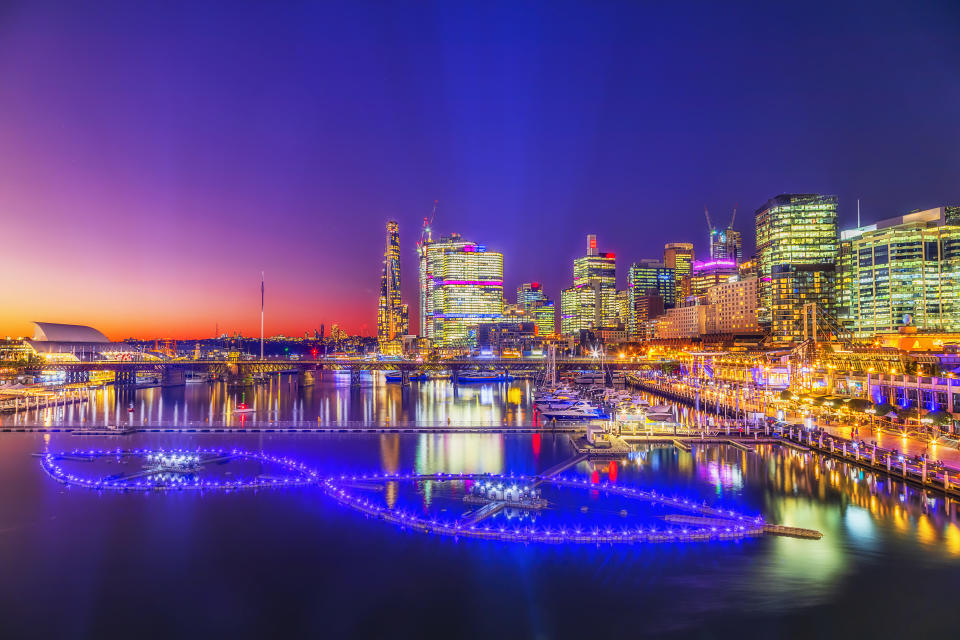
x=793, y=288
x=530, y=295
x=904, y=271
x=392, y=317
x=726, y=245
x=535, y=304
x=679, y=257
x=794, y=230
x=652, y=274
x=651, y=287
x=591, y=302
x=461, y=285
x=545, y=317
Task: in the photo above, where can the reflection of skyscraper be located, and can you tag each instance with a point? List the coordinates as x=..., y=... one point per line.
x=391, y=312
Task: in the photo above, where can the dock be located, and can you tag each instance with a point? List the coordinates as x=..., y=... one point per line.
x=739, y=445
x=772, y=529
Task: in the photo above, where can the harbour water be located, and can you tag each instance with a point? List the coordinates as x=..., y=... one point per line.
x=292, y=563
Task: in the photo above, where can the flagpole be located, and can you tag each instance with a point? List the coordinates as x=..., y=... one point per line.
x=261, y=315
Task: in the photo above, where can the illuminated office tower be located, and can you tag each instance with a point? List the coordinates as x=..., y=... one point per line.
x=648, y=279
x=535, y=304
x=623, y=307
x=591, y=302
x=679, y=257
x=793, y=286
x=462, y=286
x=391, y=312
x=794, y=230
x=598, y=271
x=530, y=295
x=904, y=271
x=545, y=317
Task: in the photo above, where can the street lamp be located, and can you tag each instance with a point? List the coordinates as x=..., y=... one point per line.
x=872, y=413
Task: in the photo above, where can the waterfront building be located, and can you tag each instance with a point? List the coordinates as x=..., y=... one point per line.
x=392, y=314
x=735, y=306
x=903, y=271
x=707, y=275
x=679, y=257
x=793, y=288
x=461, y=285
x=794, y=230
x=592, y=300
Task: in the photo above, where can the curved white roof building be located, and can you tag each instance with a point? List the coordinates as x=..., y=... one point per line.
x=54, y=332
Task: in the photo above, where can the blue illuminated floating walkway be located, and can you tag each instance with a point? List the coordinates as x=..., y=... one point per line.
x=705, y=523
x=176, y=469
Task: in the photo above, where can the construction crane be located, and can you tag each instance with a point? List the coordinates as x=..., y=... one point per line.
x=707, y=214
x=425, y=233
x=733, y=217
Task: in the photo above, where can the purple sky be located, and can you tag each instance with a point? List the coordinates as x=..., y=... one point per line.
x=154, y=160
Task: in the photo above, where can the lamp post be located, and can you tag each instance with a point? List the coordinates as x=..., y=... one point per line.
x=872, y=411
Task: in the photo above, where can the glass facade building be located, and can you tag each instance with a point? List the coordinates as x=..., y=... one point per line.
x=462, y=286
x=794, y=230
x=904, y=271
x=679, y=257
x=645, y=280
x=792, y=287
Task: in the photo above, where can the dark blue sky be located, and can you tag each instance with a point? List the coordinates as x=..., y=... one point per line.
x=209, y=142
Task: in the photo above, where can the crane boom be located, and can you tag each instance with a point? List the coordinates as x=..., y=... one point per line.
x=707, y=214
x=733, y=217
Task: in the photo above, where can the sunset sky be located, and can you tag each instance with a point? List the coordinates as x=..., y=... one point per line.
x=153, y=161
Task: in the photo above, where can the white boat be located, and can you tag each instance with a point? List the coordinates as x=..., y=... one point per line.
x=193, y=377
x=576, y=411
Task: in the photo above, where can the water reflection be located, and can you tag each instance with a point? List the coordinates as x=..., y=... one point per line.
x=331, y=400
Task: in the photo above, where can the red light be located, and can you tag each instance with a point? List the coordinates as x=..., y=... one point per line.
x=593, y=243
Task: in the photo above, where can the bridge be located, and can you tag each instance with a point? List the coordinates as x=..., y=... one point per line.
x=172, y=372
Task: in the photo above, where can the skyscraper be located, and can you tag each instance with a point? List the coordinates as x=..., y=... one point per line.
x=651, y=287
x=591, y=302
x=535, y=304
x=461, y=286
x=530, y=295
x=726, y=244
x=392, y=319
x=679, y=257
x=795, y=230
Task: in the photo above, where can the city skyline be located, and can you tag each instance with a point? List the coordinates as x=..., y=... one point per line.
x=134, y=208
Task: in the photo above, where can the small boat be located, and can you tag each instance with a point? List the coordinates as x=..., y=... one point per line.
x=193, y=377
x=589, y=378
